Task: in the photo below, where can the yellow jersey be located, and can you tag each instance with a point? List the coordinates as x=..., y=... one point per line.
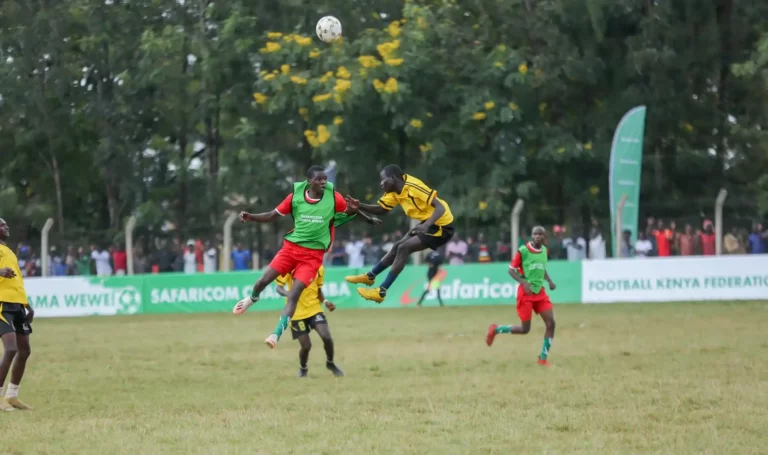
x=11, y=289
x=416, y=200
x=309, y=301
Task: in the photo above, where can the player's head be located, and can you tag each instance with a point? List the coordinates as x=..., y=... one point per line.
x=317, y=178
x=390, y=177
x=5, y=231
x=538, y=234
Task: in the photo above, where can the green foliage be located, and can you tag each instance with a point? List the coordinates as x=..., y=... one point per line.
x=180, y=111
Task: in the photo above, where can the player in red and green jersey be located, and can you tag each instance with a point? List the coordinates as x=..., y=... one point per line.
x=529, y=268
x=313, y=206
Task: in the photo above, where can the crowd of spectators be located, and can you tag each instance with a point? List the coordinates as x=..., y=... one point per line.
x=657, y=238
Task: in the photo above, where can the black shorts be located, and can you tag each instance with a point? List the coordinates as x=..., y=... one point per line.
x=302, y=327
x=13, y=319
x=437, y=236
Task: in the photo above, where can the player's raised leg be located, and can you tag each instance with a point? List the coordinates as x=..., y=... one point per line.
x=322, y=329
x=403, y=252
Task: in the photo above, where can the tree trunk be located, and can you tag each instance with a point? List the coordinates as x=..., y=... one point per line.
x=59, y=196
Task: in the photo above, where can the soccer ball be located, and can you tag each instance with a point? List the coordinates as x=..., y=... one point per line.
x=328, y=29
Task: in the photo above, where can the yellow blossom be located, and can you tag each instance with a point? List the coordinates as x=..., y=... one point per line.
x=269, y=77
x=303, y=40
x=391, y=85
x=338, y=120
x=387, y=49
x=311, y=138
x=363, y=72
x=479, y=116
x=588, y=146
x=323, y=134
x=501, y=47
x=343, y=73
x=416, y=123
x=314, y=53
x=260, y=98
x=542, y=107
x=489, y=105
x=337, y=98
x=322, y=97
x=342, y=85
x=326, y=77
x=303, y=111
x=476, y=26
x=498, y=64
x=298, y=80
x=285, y=69
x=523, y=68
x=514, y=106
x=274, y=35
x=394, y=61
x=368, y=61
x=429, y=115
x=270, y=47
x=688, y=127
x=482, y=205
x=262, y=73
x=421, y=23
x=561, y=150
x=288, y=38
x=595, y=190
x=425, y=147
x=394, y=28
x=378, y=85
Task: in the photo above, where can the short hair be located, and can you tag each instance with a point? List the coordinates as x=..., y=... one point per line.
x=393, y=170
x=313, y=170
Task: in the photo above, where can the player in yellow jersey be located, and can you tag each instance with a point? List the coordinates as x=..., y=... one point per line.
x=309, y=315
x=15, y=324
x=419, y=202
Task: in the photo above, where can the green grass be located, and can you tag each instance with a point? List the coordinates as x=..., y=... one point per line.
x=648, y=378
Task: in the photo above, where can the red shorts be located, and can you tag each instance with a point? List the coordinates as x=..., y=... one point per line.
x=303, y=262
x=527, y=304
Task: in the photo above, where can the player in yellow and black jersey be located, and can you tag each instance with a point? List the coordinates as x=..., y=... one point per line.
x=419, y=202
x=15, y=324
x=309, y=315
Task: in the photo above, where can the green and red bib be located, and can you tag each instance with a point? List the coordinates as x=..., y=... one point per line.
x=312, y=221
x=534, y=266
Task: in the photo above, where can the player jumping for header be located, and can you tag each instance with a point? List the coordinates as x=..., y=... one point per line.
x=313, y=206
x=419, y=202
x=529, y=268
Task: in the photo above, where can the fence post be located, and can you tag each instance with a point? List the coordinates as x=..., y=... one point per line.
x=514, y=225
x=719, y=202
x=618, y=236
x=226, y=250
x=44, y=253
x=130, y=225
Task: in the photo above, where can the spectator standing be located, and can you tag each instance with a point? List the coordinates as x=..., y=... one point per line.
x=209, y=258
x=687, y=242
x=626, y=244
x=643, y=246
x=663, y=238
x=338, y=255
x=120, y=259
x=757, y=240
x=102, y=260
x=732, y=244
x=69, y=261
x=190, y=258
x=354, y=250
x=575, y=247
x=241, y=257
x=456, y=250
x=483, y=252
x=596, y=244
x=708, y=239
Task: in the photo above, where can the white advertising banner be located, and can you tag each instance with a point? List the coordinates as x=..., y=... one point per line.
x=82, y=296
x=675, y=279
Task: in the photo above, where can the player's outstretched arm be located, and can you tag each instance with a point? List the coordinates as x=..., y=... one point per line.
x=369, y=218
x=266, y=217
x=370, y=208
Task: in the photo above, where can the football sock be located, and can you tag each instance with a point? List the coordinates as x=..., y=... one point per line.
x=545, y=348
x=281, y=325
x=504, y=329
x=391, y=277
x=377, y=269
x=13, y=391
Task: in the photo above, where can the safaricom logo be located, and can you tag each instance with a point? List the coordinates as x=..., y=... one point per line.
x=457, y=289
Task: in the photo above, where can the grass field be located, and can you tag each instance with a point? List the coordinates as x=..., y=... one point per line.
x=652, y=378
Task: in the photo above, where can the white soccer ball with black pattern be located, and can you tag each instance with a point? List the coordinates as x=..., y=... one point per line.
x=328, y=29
